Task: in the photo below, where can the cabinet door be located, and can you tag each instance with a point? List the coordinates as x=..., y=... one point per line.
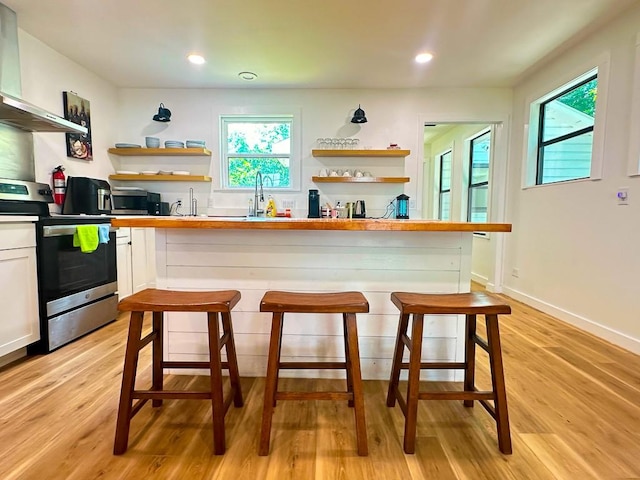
x=140, y=258
x=20, y=322
x=123, y=257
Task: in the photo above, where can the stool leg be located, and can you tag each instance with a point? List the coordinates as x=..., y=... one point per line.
x=128, y=383
x=470, y=358
x=499, y=388
x=157, y=370
x=217, y=401
x=271, y=382
x=232, y=360
x=397, y=360
x=347, y=357
x=410, y=424
x=356, y=379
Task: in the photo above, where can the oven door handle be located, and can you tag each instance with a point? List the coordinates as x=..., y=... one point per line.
x=63, y=230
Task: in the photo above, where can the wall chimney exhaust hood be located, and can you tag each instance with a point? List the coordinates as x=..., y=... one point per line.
x=14, y=111
x=23, y=115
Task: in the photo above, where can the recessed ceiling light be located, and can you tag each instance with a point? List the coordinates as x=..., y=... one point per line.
x=196, y=59
x=247, y=76
x=424, y=57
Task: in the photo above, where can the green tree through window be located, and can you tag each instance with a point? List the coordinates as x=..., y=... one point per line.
x=258, y=145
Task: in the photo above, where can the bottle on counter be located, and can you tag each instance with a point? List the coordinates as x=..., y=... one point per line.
x=271, y=210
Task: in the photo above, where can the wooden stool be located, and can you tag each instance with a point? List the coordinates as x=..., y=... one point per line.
x=159, y=301
x=470, y=305
x=346, y=303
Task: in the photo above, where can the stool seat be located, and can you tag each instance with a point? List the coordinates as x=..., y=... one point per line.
x=217, y=306
x=295, y=302
x=155, y=300
x=345, y=303
x=453, y=303
x=417, y=305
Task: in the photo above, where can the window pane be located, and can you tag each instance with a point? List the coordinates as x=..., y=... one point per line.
x=480, y=158
x=445, y=206
x=567, y=160
x=259, y=137
x=478, y=201
x=445, y=171
x=570, y=112
x=243, y=172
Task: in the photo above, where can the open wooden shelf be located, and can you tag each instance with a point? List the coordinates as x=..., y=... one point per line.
x=162, y=178
x=150, y=152
x=360, y=179
x=360, y=153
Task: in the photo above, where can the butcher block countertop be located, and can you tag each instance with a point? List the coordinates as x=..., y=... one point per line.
x=283, y=223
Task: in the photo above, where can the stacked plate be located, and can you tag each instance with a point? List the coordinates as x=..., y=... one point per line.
x=173, y=144
x=127, y=145
x=195, y=143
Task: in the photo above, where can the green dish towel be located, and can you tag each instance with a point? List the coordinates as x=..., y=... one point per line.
x=86, y=237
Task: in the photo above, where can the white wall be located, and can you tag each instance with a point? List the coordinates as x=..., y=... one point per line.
x=45, y=75
x=394, y=116
x=577, y=250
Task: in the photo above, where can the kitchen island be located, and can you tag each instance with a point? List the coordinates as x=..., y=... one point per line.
x=252, y=255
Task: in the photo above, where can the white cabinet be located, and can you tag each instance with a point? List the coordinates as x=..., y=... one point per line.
x=20, y=321
x=123, y=261
x=135, y=252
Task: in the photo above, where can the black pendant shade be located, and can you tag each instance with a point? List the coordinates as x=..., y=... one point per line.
x=359, y=116
x=163, y=115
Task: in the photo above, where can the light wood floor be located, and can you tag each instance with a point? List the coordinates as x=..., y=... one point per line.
x=574, y=403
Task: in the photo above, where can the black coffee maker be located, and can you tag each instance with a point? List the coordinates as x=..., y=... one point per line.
x=88, y=196
x=314, y=204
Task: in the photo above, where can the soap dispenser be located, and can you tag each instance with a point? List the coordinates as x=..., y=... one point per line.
x=271, y=207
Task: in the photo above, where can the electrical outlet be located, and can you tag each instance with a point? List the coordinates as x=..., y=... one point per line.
x=210, y=202
x=179, y=201
x=515, y=272
x=412, y=204
x=288, y=203
x=623, y=196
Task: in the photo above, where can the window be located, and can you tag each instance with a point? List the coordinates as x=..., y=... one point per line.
x=479, y=156
x=565, y=133
x=444, y=196
x=252, y=144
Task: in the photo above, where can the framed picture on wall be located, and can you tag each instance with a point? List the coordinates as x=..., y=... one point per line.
x=77, y=110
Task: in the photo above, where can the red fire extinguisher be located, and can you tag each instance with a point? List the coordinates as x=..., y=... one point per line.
x=59, y=185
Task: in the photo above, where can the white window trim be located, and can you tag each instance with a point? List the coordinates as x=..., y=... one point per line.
x=634, y=124
x=530, y=141
x=262, y=111
x=467, y=153
x=436, y=179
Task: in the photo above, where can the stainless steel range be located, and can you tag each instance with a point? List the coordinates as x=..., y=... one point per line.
x=77, y=291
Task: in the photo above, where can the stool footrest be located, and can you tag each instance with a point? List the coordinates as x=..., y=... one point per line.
x=313, y=365
x=204, y=365
x=481, y=342
x=453, y=395
x=171, y=394
x=489, y=408
x=143, y=342
x=314, y=396
x=437, y=366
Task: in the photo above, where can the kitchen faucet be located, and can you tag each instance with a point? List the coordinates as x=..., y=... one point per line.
x=258, y=196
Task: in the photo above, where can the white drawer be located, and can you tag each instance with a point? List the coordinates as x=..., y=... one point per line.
x=17, y=235
x=123, y=232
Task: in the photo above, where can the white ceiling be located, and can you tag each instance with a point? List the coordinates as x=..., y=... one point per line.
x=303, y=44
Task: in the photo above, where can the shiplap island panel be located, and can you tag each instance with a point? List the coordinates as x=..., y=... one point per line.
x=203, y=254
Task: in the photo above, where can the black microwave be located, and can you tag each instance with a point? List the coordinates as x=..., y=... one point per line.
x=133, y=202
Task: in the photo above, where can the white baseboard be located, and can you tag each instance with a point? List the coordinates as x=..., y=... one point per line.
x=13, y=356
x=479, y=279
x=617, y=338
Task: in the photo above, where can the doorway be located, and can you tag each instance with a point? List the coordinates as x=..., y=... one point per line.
x=463, y=178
